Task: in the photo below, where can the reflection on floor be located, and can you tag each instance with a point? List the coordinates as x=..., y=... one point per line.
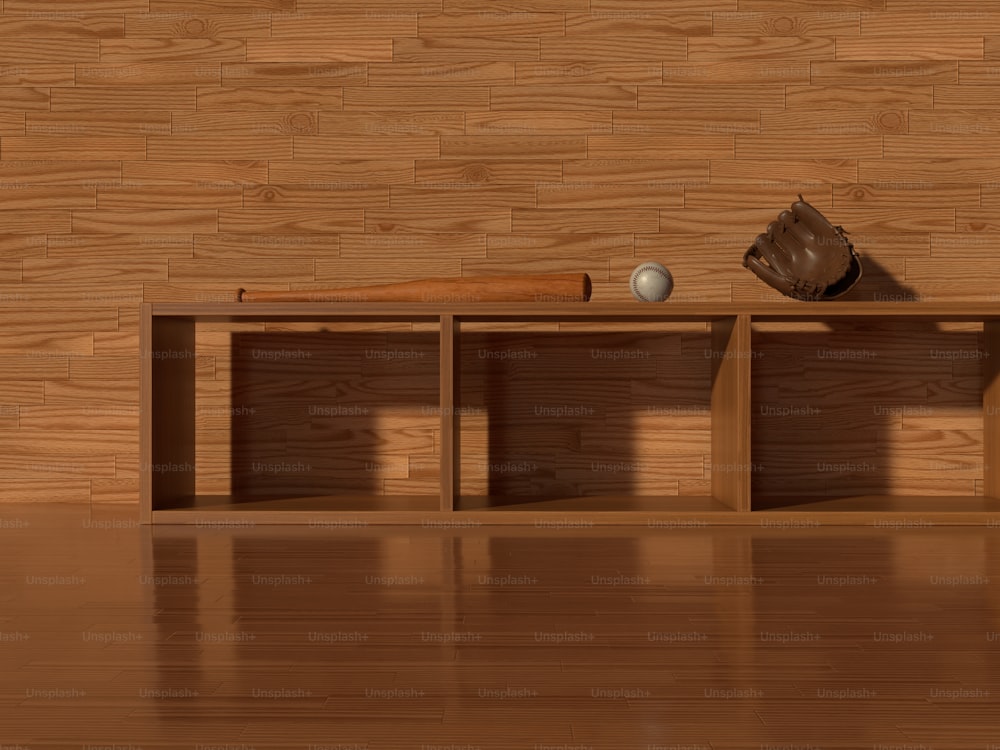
x=327, y=636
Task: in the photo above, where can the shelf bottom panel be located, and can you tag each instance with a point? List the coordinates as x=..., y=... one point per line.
x=593, y=504
x=308, y=503
x=878, y=504
x=653, y=511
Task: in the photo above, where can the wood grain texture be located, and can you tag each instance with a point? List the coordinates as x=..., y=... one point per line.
x=646, y=23
x=480, y=637
x=97, y=123
x=612, y=48
x=103, y=97
x=36, y=75
x=18, y=99
x=562, y=97
x=33, y=147
x=193, y=24
x=161, y=149
x=168, y=73
x=891, y=47
x=50, y=50
x=299, y=49
x=686, y=94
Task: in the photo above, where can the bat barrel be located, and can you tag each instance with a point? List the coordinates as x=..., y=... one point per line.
x=572, y=287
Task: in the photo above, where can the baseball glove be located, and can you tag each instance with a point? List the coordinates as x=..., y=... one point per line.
x=804, y=256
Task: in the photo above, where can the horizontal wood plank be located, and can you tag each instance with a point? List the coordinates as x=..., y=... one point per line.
x=49, y=26
x=486, y=171
x=140, y=50
x=688, y=94
x=681, y=23
x=561, y=97
x=148, y=219
x=210, y=173
x=512, y=147
x=109, y=74
x=560, y=73
x=459, y=220
x=226, y=245
x=290, y=221
x=72, y=147
x=611, y=48
x=42, y=197
x=886, y=71
x=343, y=172
x=394, y=122
x=46, y=50
x=73, y=269
x=299, y=49
x=402, y=97
x=26, y=76
x=349, y=147
x=184, y=147
x=784, y=48
x=713, y=146
x=443, y=74
x=210, y=25
x=584, y=220
x=105, y=97
x=97, y=123
x=344, y=21
x=465, y=49
x=893, y=48
x=243, y=270
x=491, y=23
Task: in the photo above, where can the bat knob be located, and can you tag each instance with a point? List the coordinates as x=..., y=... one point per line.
x=239, y=294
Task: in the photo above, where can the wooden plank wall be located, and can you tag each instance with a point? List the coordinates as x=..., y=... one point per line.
x=179, y=149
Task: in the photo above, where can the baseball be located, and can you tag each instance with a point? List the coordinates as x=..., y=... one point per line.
x=651, y=282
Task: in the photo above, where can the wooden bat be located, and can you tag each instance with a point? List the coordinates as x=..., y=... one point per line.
x=564, y=287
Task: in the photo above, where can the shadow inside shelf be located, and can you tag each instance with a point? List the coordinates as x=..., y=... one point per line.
x=321, y=414
x=547, y=416
x=863, y=411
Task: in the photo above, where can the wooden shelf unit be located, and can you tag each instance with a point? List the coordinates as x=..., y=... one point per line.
x=168, y=468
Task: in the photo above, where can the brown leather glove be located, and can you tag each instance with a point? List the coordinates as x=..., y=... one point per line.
x=806, y=256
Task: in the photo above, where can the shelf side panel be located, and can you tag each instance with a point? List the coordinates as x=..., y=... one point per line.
x=730, y=467
x=167, y=467
x=991, y=408
x=145, y=412
x=448, y=367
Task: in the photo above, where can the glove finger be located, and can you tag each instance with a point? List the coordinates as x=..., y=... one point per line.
x=768, y=276
x=783, y=235
x=801, y=233
x=810, y=219
x=773, y=253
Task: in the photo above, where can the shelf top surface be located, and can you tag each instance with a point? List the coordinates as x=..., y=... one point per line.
x=679, y=311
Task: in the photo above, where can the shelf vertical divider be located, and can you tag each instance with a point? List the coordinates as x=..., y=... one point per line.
x=450, y=443
x=167, y=408
x=731, y=356
x=991, y=409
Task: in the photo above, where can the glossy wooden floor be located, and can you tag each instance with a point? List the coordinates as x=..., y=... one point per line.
x=216, y=636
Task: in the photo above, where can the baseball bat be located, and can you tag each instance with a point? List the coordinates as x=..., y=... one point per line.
x=564, y=287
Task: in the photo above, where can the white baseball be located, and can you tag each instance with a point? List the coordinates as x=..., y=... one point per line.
x=651, y=282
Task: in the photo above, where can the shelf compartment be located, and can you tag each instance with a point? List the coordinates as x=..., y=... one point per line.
x=881, y=412
x=603, y=415
x=351, y=416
